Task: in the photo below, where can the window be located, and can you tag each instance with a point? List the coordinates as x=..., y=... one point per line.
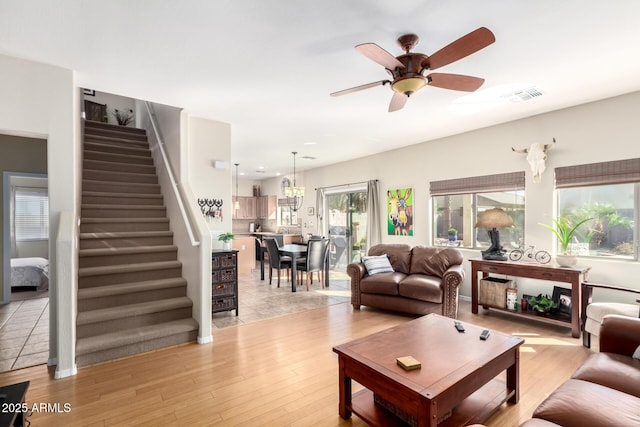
x=31, y=215
x=458, y=203
x=608, y=194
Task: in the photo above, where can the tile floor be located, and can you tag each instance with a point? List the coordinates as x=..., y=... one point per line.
x=24, y=333
x=258, y=300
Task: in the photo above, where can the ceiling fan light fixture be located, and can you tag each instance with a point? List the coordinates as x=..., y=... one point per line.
x=409, y=85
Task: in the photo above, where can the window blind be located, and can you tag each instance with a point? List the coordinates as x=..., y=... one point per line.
x=478, y=184
x=31, y=215
x=614, y=172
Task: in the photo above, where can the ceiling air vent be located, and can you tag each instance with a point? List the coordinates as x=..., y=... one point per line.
x=523, y=94
x=309, y=157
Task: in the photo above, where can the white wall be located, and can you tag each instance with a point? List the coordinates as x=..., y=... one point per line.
x=42, y=101
x=209, y=141
x=594, y=132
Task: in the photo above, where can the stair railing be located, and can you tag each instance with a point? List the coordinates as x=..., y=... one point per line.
x=170, y=172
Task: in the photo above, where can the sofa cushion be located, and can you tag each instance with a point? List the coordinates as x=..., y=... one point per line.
x=581, y=403
x=399, y=255
x=433, y=261
x=383, y=283
x=611, y=370
x=376, y=264
x=421, y=287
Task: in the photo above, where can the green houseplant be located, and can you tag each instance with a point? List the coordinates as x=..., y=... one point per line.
x=542, y=304
x=226, y=239
x=453, y=234
x=565, y=231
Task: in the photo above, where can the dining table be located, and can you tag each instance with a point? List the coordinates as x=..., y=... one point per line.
x=295, y=251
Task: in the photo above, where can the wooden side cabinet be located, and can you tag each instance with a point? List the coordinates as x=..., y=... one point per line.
x=224, y=281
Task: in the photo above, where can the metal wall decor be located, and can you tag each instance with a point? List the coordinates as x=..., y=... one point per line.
x=211, y=208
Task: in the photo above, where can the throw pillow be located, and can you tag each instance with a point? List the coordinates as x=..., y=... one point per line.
x=377, y=264
x=636, y=354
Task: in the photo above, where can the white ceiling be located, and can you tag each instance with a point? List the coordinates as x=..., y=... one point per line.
x=267, y=66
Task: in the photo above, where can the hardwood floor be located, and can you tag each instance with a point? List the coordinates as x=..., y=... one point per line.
x=274, y=372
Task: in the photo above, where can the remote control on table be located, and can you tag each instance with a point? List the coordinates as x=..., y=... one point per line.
x=459, y=326
x=484, y=335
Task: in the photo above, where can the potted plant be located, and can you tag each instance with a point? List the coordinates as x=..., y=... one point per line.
x=564, y=230
x=453, y=234
x=124, y=118
x=542, y=304
x=226, y=239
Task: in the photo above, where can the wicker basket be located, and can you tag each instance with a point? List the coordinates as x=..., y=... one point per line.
x=493, y=292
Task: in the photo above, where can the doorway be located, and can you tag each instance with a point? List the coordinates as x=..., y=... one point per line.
x=346, y=213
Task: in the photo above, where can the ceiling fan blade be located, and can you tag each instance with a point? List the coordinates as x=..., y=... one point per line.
x=361, y=87
x=464, y=46
x=379, y=55
x=397, y=101
x=455, y=81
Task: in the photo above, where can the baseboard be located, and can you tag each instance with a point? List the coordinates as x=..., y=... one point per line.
x=464, y=298
x=66, y=373
x=205, y=340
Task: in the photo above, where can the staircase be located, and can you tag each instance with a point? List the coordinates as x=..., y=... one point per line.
x=131, y=294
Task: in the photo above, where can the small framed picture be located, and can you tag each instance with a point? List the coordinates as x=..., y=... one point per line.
x=310, y=211
x=89, y=92
x=562, y=297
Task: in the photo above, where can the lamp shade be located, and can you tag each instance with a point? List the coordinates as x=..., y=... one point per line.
x=494, y=218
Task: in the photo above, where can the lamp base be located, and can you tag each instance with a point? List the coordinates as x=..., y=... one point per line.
x=495, y=251
x=494, y=255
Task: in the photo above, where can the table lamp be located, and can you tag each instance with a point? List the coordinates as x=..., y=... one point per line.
x=492, y=219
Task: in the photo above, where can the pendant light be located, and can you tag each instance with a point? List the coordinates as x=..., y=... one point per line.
x=294, y=194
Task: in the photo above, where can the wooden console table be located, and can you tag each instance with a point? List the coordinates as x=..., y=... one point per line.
x=573, y=275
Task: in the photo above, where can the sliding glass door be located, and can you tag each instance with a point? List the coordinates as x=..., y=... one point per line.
x=346, y=213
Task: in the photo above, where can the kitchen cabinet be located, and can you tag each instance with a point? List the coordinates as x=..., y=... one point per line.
x=267, y=206
x=247, y=208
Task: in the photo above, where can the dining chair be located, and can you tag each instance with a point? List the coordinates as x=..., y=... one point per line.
x=276, y=260
x=317, y=252
x=593, y=312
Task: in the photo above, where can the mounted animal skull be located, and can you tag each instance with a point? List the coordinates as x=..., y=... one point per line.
x=536, y=156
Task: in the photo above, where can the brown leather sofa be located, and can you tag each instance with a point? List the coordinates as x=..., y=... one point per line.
x=605, y=390
x=425, y=280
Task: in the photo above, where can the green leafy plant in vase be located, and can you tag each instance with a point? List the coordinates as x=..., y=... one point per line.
x=542, y=304
x=565, y=231
x=226, y=239
x=453, y=234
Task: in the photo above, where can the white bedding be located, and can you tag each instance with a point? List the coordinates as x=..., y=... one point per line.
x=30, y=272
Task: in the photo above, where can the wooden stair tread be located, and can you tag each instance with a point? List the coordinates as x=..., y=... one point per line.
x=122, y=220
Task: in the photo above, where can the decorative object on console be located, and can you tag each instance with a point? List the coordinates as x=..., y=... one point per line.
x=562, y=298
x=211, y=208
x=536, y=156
x=565, y=232
x=542, y=304
x=492, y=219
x=226, y=239
x=530, y=254
x=400, y=212
x=294, y=194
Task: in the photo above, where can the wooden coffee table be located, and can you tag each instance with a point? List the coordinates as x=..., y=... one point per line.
x=456, y=384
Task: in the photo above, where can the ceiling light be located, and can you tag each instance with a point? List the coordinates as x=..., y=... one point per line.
x=408, y=85
x=294, y=194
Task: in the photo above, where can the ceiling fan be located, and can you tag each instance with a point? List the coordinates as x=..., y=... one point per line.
x=409, y=71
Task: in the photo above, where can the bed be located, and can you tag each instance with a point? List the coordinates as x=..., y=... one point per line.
x=30, y=272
